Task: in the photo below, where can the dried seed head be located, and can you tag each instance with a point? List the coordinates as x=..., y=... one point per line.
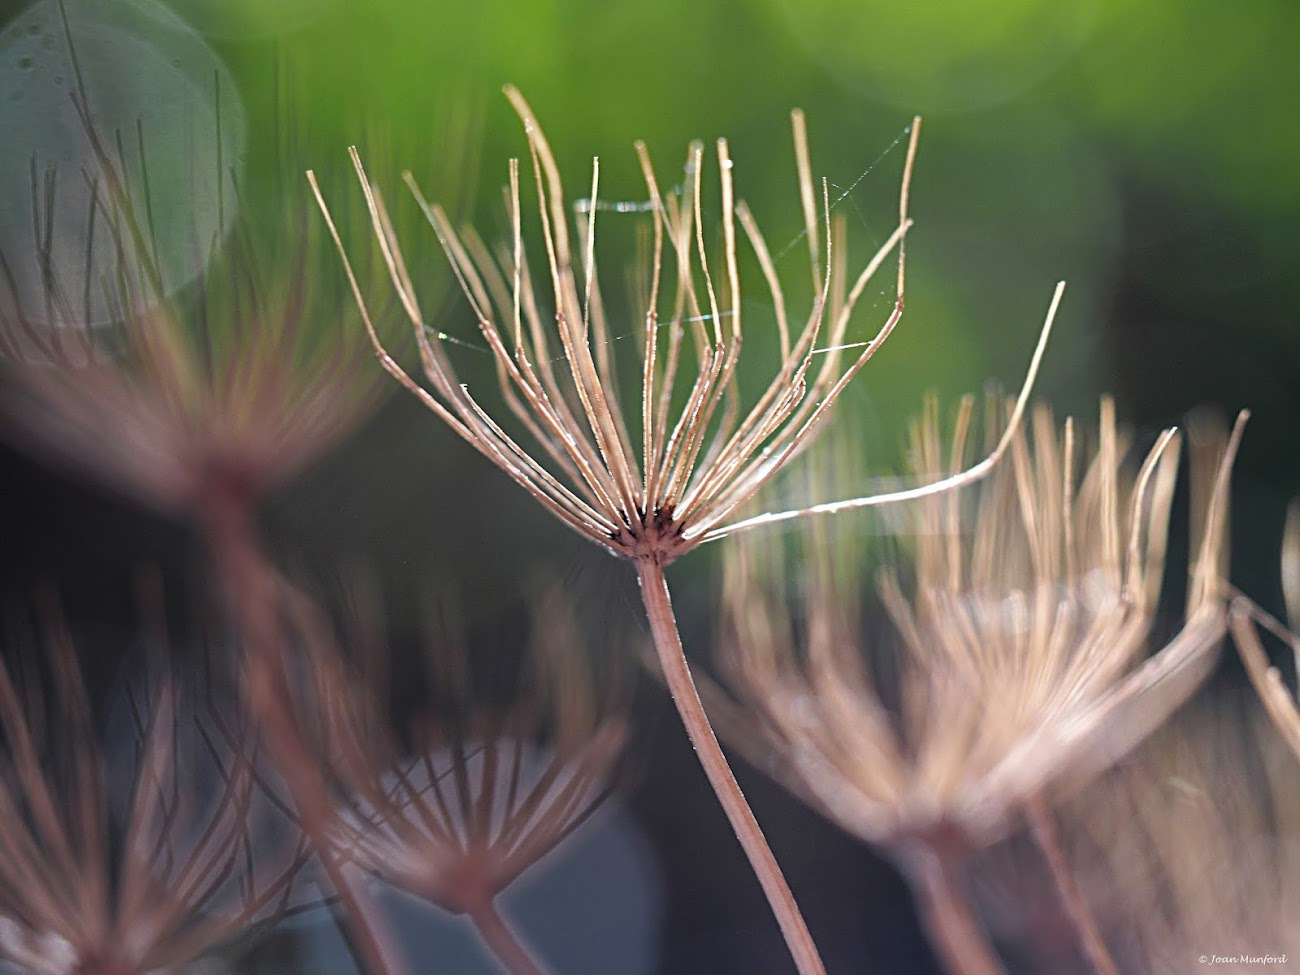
x=699, y=455
x=472, y=793
x=79, y=897
x=221, y=392
x=231, y=388
x=1026, y=628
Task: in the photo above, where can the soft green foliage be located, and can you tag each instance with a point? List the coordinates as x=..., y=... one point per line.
x=1047, y=117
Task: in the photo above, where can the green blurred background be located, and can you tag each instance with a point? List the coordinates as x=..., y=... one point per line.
x=1146, y=152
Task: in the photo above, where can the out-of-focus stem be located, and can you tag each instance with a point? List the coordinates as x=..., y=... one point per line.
x=1043, y=826
x=1273, y=693
x=955, y=931
x=503, y=942
x=251, y=592
x=677, y=674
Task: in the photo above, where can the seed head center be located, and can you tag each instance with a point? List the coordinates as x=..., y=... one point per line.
x=655, y=536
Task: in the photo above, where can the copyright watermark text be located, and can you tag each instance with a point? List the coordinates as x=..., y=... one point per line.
x=1242, y=959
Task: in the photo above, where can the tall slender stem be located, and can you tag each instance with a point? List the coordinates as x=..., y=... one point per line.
x=677, y=674
x=1043, y=825
x=954, y=929
x=503, y=942
x=251, y=593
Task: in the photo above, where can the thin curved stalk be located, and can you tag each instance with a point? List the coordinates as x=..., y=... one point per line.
x=677, y=674
x=955, y=931
x=1043, y=826
x=503, y=942
x=1270, y=687
x=250, y=588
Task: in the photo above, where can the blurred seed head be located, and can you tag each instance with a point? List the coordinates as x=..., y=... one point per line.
x=129, y=863
x=1026, y=622
x=479, y=785
x=234, y=387
x=227, y=387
